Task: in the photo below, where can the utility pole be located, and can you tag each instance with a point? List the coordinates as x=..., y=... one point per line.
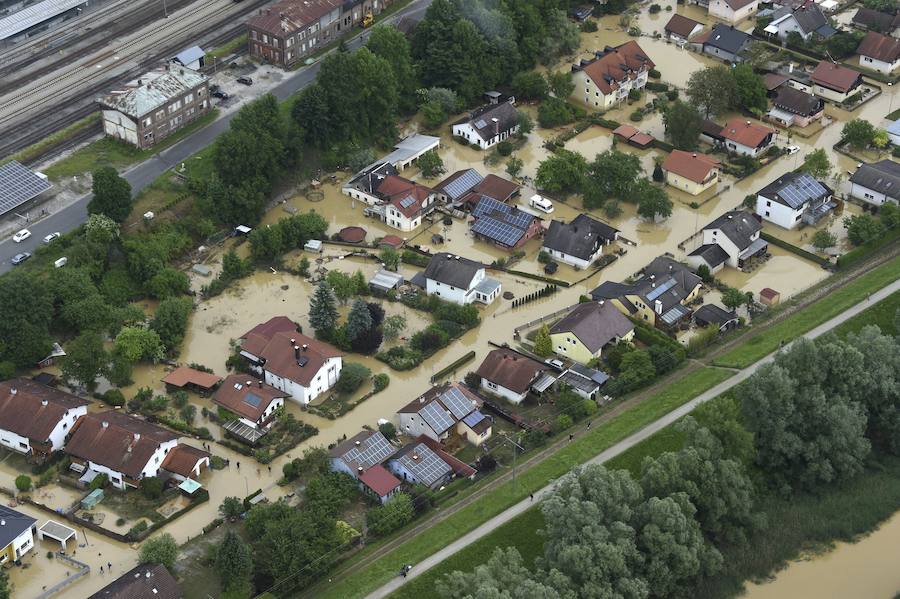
x=165, y=9
x=516, y=449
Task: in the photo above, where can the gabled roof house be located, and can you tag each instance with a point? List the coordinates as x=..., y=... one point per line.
x=795, y=107
x=443, y=411
x=731, y=239
x=607, y=78
x=503, y=225
x=459, y=280
x=879, y=52
x=834, y=81
x=746, y=137
x=582, y=334
x=680, y=28
x=724, y=42
x=580, y=242
x=794, y=198
x=876, y=183
x=35, y=419
x=806, y=19
x=691, y=172
x=510, y=374
x=489, y=125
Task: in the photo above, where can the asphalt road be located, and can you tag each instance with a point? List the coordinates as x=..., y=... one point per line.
x=143, y=174
x=620, y=447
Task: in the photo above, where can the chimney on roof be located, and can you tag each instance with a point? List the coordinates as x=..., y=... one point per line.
x=694, y=154
x=137, y=437
x=748, y=123
x=359, y=469
x=496, y=122
x=148, y=575
x=357, y=443
x=140, y=82
x=297, y=352
x=652, y=277
x=2, y=522
x=415, y=456
x=293, y=341
x=260, y=384
x=305, y=346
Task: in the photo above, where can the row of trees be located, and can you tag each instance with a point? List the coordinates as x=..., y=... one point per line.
x=801, y=424
x=612, y=177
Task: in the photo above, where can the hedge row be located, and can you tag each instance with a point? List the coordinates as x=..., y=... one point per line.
x=794, y=249
x=453, y=366
x=862, y=252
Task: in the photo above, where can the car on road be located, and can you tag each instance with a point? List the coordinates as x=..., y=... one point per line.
x=791, y=150
x=52, y=236
x=22, y=235
x=20, y=258
x=219, y=94
x=245, y=80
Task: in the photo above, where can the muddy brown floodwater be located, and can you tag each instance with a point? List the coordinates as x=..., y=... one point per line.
x=866, y=569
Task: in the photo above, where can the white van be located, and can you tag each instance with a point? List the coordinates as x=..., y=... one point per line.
x=60, y=262
x=542, y=204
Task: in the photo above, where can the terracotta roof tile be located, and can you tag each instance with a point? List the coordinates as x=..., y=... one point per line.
x=834, y=76
x=746, y=133
x=243, y=395
x=510, y=369
x=879, y=47
x=184, y=375
x=24, y=413
x=616, y=65
x=692, y=165
x=379, y=480
x=289, y=16
x=681, y=26
x=182, y=459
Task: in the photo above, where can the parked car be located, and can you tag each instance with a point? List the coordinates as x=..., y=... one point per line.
x=51, y=237
x=22, y=235
x=245, y=80
x=20, y=258
x=550, y=268
x=219, y=94
x=792, y=149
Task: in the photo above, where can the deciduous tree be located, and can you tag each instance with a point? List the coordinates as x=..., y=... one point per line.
x=85, y=359
x=750, y=91
x=712, y=90
x=112, y=194
x=161, y=549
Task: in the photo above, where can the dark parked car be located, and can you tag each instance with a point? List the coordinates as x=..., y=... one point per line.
x=245, y=80
x=219, y=94
x=20, y=258
x=550, y=268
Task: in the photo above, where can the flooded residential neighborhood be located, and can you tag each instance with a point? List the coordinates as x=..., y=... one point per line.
x=359, y=348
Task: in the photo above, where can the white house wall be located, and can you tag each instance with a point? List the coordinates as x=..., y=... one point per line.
x=501, y=391
x=777, y=213
x=120, y=126
x=23, y=543
x=869, y=196
x=878, y=65
x=413, y=426
x=64, y=426
x=15, y=442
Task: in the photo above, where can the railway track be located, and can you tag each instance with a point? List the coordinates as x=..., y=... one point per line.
x=140, y=17
x=49, y=119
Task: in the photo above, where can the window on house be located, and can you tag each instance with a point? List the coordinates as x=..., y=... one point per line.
x=148, y=121
x=188, y=98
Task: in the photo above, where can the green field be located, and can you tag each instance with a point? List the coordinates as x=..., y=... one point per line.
x=757, y=346
x=490, y=504
x=881, y=314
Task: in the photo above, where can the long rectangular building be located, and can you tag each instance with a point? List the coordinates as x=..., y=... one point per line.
x=290, y=30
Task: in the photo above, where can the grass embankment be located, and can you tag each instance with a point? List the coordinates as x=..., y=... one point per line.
x=757, y=346
x=229, y=48
x=490, y=504
x=793, y=524
x=117, y=153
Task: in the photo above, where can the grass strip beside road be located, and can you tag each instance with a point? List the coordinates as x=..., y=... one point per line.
x=37, y=149
x=882, y=314
x=118, y=154
x=756, y=347
x=490, y=504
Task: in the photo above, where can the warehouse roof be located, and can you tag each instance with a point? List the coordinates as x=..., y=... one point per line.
x=153, y=90
x=18, y=184
x=35, y=14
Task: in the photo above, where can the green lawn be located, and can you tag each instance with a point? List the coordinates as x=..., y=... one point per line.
x=118, y=154
x=881, y=314
x=490, y=504
x=756, y=347
x=228, y=48
x=37, y=149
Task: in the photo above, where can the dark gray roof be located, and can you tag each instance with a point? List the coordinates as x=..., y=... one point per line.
x=15, y=523
x=795, y=190
x=146, y=581
x=712, y=254
x=608, y=290
x=738, y=225
x=798, y=102
x=877, y=21
x=711, y=313
x=481, y=120
x=595, y=324
x=459, y=183
x=663, y=280
x=882, y=176
x=663, y=265
x=808, y=15
x=18, y=184
x=728, y=39
x=579, y=238
x=452, y=270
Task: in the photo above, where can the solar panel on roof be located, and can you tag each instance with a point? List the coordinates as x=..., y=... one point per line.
x=801, y=190
x=436, y=417
x=407, y=202
x=373, y=450
x=458, y=404
x=456, y=188
x=473, y=419
x=19, y=184
x=498, y=231
x=253, y=400
x=660, y=289
x=428, y=467
x=480, y=124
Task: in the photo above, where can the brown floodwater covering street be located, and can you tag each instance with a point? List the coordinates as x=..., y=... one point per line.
x=866, y=569
x=266, y=293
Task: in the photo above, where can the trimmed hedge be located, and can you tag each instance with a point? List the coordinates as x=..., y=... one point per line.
x=543, y=279
x=862, y=252
x=657, y=87
x=453, y=366
x=662, y=145
x=794, y=249
x=649, y=335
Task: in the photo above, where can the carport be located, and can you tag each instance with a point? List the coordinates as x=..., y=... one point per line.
x=57, y=532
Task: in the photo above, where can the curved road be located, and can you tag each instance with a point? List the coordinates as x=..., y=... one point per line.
x=143, y=174
x=620, y=447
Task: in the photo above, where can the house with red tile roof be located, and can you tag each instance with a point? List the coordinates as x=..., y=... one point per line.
x=692, y=172
x=509, y=374
x=361, y=456
x=185, y=461
x=746, y=137
x=680, y=28
x=834, y=81
x=185, y=377
x=288, y=31
x=299, y=366
x=606, y=79
x=879, y=52
x=250, y=399
x=395, y=200
x=124, y=448
x=35, y=418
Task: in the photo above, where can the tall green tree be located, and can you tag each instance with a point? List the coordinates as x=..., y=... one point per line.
x=863, y=228
x=816, y=163
x=503, y=575
x=653, y=201
x=171, y=320
x=161, y=549
x=252, y=152
x=85, y=359
x=683, y=125
x=859, y=133
x=750, y=91
x=543, y=345
x=561, y=173
x=112, y=194
x=323, y=313
x=234, y=563
x=387, y=42
x=359, y=320
x=612, y=175
x=25, y=333
x=712, y=90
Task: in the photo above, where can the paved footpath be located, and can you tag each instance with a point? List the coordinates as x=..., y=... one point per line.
x=620, y=447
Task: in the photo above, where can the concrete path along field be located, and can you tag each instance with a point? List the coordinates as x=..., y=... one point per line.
x=502, y=518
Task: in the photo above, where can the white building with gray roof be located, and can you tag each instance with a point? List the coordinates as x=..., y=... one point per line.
x=459, y=280
x=156, y=105
x=876, y=183
x=732, y=239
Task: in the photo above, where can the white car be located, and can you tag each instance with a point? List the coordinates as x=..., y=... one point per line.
x=22, y=235
x=51, y=237
x=792, y=149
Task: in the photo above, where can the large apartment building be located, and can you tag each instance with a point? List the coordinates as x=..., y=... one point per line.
x=290, y=30
x=156, y=105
